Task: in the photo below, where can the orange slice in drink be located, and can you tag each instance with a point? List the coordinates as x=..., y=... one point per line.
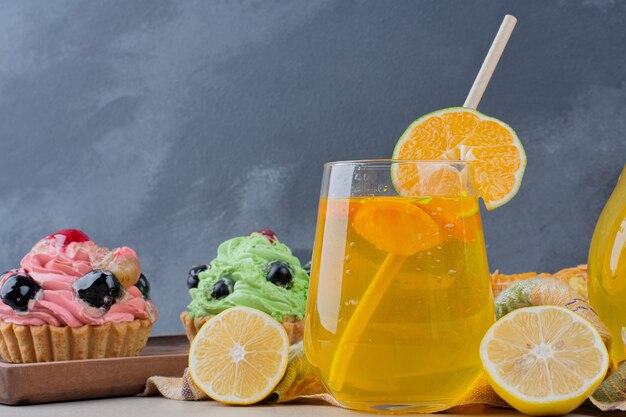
x=239, y=356
x=492, y=150
x=396, y=226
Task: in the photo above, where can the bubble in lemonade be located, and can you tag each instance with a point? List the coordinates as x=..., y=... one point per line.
x=419, y=344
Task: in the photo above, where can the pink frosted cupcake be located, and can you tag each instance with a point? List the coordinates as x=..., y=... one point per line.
x=71, y=299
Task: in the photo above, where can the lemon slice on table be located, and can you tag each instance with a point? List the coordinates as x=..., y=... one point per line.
x=239, y=356
x=492, y=150
x=544, y=360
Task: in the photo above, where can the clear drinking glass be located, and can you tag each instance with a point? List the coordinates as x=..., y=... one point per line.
x=400, y=296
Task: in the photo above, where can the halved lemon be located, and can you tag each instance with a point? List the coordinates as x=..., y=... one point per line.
x=239, y=356
x=544, y=360
x=494, y=153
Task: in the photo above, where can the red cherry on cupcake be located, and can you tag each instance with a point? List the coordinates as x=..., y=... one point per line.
x=269, y=234
x=67, y=236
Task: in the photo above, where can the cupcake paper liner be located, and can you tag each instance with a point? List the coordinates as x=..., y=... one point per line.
x=46, y=343
x=294, y=328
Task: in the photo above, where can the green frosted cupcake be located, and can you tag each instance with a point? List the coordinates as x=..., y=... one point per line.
x=256, y=271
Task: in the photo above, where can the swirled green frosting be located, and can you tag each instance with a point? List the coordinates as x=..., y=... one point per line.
x=244, y=263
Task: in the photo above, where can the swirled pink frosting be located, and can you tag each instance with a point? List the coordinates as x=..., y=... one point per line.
x=55, y=267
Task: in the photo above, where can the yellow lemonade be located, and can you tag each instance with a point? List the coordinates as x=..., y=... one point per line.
x=607, y=268
x=423, y=261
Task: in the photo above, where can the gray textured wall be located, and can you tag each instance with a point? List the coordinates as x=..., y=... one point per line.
x=172, y=125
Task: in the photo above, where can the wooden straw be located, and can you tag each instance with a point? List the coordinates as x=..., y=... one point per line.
x=393, y=262
x=490, y=62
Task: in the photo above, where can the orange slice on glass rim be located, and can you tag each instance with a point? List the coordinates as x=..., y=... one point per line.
x=239, y=356
x=492, y=150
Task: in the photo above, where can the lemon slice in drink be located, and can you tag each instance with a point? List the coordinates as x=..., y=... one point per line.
x=455, y=216
x=544, y=360
x=494, y=153
x=239, y=356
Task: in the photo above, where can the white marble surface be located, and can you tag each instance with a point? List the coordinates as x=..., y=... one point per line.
x=156, y=407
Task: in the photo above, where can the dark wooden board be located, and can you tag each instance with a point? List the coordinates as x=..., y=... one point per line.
x=93, y=378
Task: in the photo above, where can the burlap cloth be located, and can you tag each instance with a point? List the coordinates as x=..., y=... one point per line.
x=298, y=383
x=301, y=382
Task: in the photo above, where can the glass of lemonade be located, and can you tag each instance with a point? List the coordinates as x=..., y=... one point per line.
x=400, y=296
